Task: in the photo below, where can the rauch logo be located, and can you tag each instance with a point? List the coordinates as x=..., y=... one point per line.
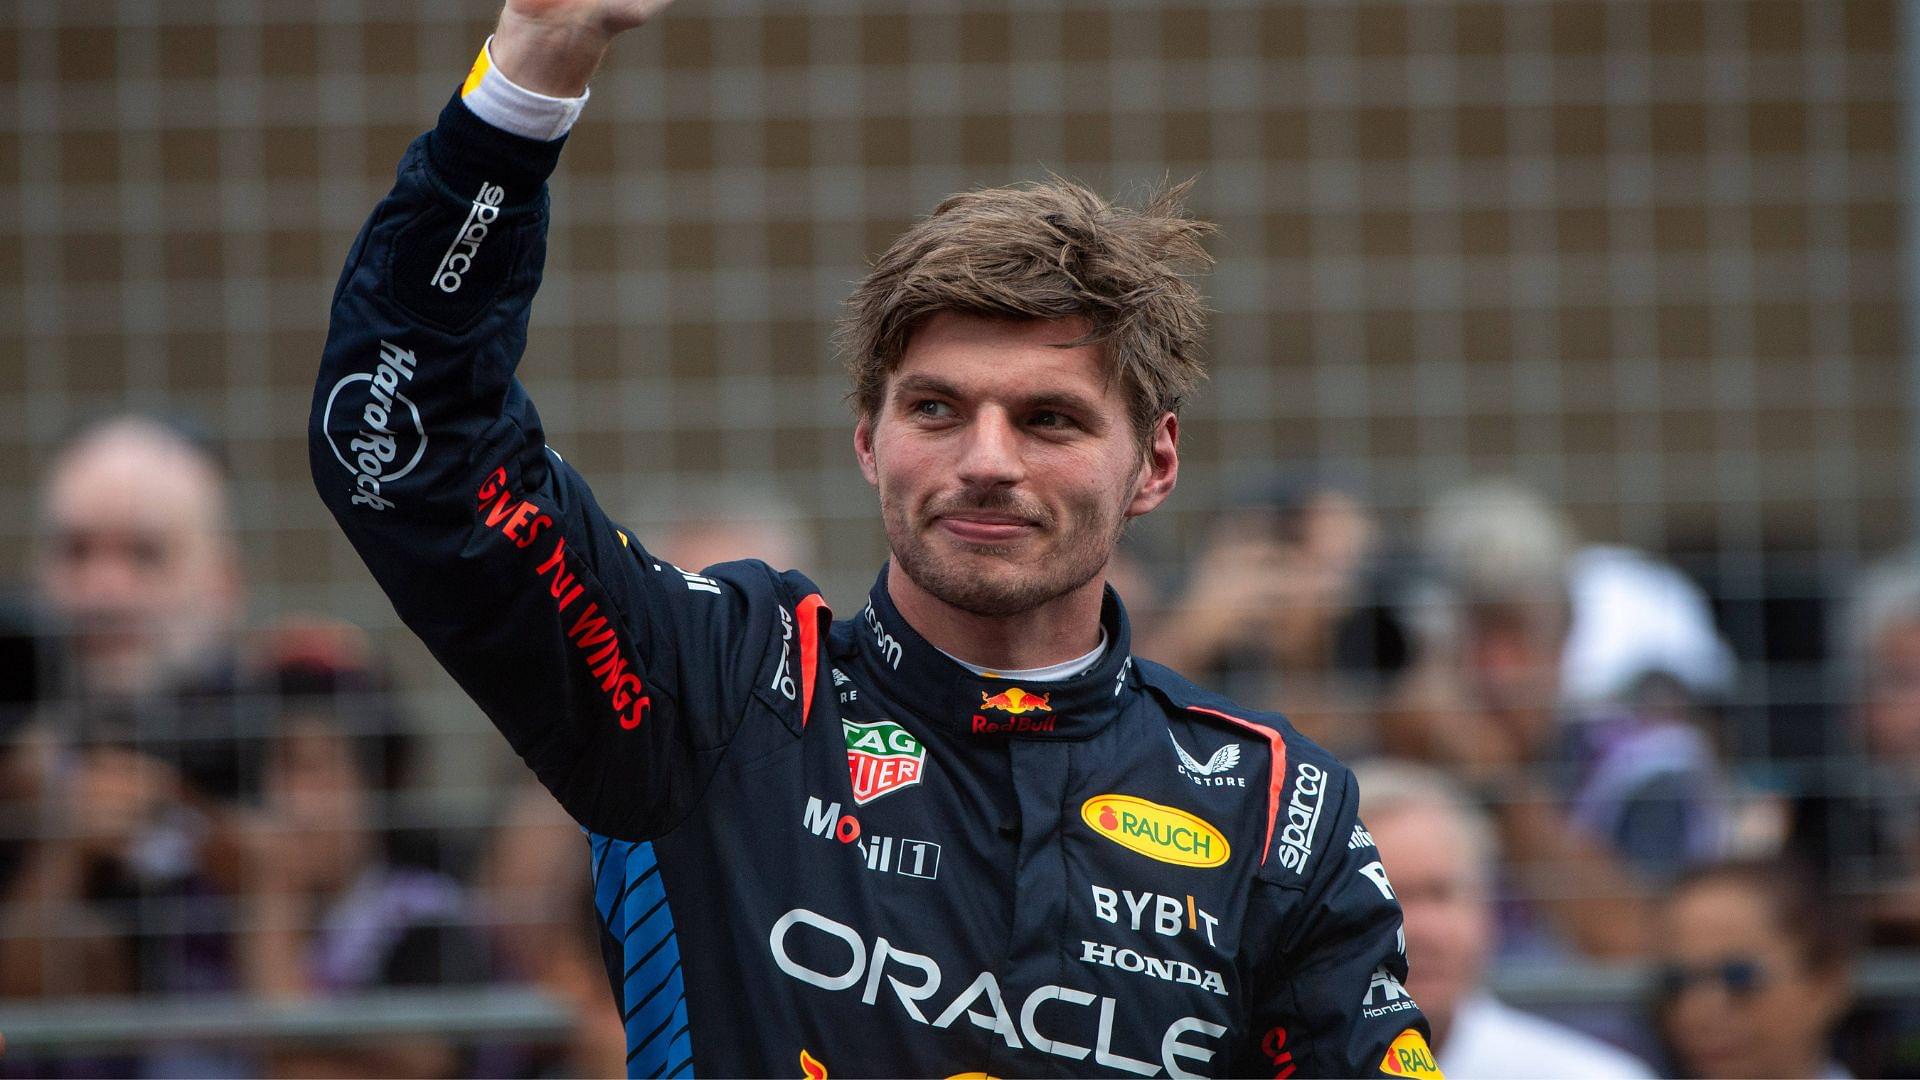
x=1163, y=833
x=882, y=757
x=1410, y=1056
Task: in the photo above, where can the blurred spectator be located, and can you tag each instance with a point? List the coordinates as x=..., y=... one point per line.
x=327, y=910
x=24, y=768
x=1131, y=574
x=540, y=894
x=730, y=522
x=145, y=744
x=1262, y=617
x=1755, y=973
x=1642, y=635
x=1595, y=800
x=1441, y=852
x=1858, y=822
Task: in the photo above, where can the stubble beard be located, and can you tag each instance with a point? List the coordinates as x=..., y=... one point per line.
x=999, y=588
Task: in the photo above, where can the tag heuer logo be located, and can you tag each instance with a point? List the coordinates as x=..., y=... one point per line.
x=882, y=757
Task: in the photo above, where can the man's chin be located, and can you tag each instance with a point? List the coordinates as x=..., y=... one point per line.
x=979, y=582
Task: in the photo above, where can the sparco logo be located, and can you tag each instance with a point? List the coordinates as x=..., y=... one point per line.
x=388, y=440
x=782, y=681
x=1212, y=772
x=1303, y=816
x=466, y=243
x=1075, y=1024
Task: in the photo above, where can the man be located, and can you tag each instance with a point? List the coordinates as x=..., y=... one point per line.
x=127, y=778
x=1597, y=801
x=1275, y=607
x=1443, y=854
x=958, y=832
x=1856, y=819
x=139, y=755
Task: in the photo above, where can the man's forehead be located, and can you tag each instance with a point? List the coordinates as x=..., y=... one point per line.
x=128, y=480
x=955, y=351
x=1423, y=836
x=995, y=331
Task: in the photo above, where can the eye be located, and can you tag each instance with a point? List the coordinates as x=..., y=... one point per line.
x=1049, y=418
x=931, y=407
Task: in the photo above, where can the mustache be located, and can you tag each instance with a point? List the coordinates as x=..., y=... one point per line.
x=992, y=501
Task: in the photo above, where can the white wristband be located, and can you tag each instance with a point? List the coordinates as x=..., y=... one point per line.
x=505, y=104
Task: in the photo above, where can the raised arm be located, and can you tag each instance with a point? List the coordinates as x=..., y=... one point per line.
x=619, y=678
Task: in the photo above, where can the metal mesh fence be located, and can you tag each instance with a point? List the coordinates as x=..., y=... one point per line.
x=1645, y=256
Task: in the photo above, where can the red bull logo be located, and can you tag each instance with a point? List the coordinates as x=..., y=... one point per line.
x=1010, y=725
x=1015, y=701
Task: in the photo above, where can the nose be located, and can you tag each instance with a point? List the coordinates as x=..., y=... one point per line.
x=991, y=457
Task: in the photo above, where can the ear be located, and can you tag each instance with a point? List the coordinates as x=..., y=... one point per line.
x=863, y=449
x=1159, y=466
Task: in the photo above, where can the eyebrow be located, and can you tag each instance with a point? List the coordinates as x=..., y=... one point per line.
x=908, y=385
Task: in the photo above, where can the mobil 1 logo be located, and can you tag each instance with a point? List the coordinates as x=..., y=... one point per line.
x=886, y=854
x=374, y=428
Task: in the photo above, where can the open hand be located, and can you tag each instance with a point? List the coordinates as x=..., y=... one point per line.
x=608, y=16
x=114, y=795
x=553, y=46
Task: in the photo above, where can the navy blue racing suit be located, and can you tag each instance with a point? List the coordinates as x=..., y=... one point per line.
x=820, y=847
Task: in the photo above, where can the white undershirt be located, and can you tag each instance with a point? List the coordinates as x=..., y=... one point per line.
x=1065, y=669
x=511, y=107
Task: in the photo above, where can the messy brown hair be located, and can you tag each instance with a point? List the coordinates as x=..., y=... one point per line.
x=1045, y=250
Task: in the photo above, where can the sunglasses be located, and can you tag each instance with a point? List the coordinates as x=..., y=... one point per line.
x=1740, y=977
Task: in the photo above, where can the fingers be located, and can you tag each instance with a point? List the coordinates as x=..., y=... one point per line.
x=114, y=793
x=554, y=46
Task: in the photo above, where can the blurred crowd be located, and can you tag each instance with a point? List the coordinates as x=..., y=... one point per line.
x=1560, y=755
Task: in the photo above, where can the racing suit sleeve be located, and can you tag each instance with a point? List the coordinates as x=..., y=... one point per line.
x=617, y=677
x=1330, y=1001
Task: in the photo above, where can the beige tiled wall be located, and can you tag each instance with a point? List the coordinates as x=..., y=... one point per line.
x=1643, y=254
